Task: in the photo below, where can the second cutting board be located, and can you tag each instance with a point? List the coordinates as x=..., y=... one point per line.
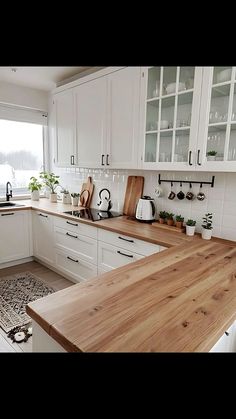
x=134, y=191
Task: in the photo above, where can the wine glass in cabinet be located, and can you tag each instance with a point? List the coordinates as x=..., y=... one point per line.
x=171, y=98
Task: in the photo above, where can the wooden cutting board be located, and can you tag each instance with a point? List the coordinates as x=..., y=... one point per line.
x=134, y=191
x=87, y=197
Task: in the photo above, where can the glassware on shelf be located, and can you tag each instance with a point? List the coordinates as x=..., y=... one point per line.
x=156, y=90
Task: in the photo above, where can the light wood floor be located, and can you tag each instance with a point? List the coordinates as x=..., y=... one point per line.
x=52, y=279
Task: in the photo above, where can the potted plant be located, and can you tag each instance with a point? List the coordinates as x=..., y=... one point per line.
x=51, y=181
x=211, y=155
x=207, y=226
x=66, y=196
x=179, y=221
x=34, y=186
x=162, y=217
x=75, y=198
x=190, y=227
x=169, y=218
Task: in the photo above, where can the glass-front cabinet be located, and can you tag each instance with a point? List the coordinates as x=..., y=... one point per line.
x=217, y=123
x=171, y=96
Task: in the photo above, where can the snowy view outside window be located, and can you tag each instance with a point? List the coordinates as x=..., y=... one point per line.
x=21, y=154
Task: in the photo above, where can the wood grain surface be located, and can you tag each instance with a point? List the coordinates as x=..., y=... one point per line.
x=180, y=300
x=87, y=197
x=134, y=191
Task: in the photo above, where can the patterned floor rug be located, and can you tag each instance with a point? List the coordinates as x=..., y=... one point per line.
x=16, y=291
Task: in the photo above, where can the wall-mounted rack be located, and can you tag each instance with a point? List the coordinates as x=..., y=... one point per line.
x=187, y=181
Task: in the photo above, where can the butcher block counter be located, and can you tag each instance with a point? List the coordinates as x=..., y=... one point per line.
x=179, y=300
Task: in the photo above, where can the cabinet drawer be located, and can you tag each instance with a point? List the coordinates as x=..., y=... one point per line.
x=75, y=226
x=83, y=246
x=129, y=243
x=75, y=267
x=111, y=257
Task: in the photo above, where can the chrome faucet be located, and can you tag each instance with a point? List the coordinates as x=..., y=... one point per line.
x=8, y=194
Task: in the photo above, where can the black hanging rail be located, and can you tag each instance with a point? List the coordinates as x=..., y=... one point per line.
x=187, y=181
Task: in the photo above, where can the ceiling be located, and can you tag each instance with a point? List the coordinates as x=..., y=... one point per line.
x=43, y=78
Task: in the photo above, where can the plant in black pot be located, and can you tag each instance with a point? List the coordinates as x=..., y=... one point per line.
x=207, y=226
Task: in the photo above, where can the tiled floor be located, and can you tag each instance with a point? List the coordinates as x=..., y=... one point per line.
x=56, y=281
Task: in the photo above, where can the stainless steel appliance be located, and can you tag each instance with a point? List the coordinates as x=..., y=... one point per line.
x=146, y=209
x=93, y=214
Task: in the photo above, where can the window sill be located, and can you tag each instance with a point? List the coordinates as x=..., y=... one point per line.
x=19, y=197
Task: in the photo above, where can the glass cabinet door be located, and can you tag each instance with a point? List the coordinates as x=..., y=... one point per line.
x=219, y=148
x=170, y=115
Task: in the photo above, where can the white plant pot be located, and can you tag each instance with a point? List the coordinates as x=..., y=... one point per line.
x=66, y=199
x=190, y=230
x=35, y=195
x=206, y=234
x=211, y=158
x=75, y=201
x=53, y=197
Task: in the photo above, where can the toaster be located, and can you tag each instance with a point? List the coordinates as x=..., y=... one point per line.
x=146, y=209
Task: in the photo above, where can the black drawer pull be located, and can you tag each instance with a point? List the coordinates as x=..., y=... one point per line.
x=124, y=254
x=130, y=241
x=72, y=224
x=227, y=333
x=73, y=260
x=71, y=235
x=45, y=216
x=10, y=213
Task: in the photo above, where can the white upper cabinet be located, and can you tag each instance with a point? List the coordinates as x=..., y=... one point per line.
x=65, y=147
x=123, y=118
x=216, y=149
x=91, y=122
x=170, y=104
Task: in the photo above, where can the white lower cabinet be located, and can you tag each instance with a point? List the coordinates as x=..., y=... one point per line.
x=15, y=235
x=111, y=257
x=227, y=342
x=69, y=263
x=43, y=237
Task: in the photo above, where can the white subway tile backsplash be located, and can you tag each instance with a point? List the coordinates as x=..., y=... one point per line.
x=220, y=200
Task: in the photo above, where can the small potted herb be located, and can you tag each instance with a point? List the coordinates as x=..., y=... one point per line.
x=34, y=186
x=162, y=217
x=211, y=155
x=179, y=221
x=65, y=196
x=190, y=227
x=207, y=226
x=75, y=198
x=51, y=181
x=169, y=218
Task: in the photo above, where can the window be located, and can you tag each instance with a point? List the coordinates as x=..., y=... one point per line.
x=21, y=154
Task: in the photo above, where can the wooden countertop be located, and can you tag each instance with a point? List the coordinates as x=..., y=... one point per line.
x=179, y=300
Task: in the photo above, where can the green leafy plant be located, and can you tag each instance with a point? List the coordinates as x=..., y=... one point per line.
x=50, y=180
x=212, y=153
x=34, y=184
x=162, y=214
x=169, y=215
x=207, y=221
x=65, y=191
x=75, y=195
x=179, y=218
x=191, y=223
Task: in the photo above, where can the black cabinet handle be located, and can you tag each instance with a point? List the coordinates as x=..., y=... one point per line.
x=190, y=158
x=130, y=241
x=107, y=160
x=72, y=160
x=124, y=254
x=41, y=215
x=10, y=213
x=103, y=155
x=73, y=260
x=72, y=224
x=227, y=333
x=71, y=235
x=198, y=158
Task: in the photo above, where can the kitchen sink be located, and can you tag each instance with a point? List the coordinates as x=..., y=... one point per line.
x=9, y=204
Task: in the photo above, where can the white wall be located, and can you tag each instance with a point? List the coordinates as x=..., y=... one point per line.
x=220, y=200
x=23, y=96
